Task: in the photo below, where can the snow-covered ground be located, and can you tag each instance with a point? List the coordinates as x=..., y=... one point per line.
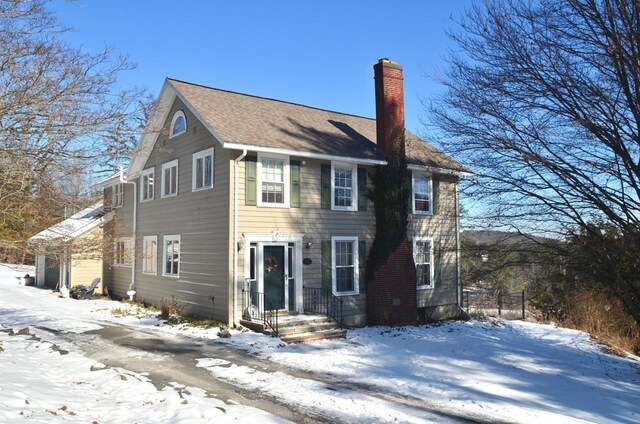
x=44, y=379
x=498, y=370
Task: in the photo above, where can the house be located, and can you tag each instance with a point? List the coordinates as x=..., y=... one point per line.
x=71, y=251
x=234, y=203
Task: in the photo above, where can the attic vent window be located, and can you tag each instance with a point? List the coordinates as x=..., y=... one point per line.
x=178, y=124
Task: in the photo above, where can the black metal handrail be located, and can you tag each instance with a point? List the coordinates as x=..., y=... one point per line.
x=257, y=306
x=322, y=301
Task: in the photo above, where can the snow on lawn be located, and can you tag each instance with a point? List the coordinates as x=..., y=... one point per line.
x=509, y=370
x=45, y=379
x=497, y=370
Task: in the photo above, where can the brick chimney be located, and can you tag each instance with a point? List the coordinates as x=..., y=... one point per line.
x=389, y=103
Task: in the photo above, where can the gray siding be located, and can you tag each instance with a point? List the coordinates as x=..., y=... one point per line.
x=318, y=225
x=117, y=278
x=315, y=223
x=201, y=218
x=442, y=228
x=204, y=221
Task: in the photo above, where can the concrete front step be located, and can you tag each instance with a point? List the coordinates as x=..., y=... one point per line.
x=303, y=328
x=314, y=336
x=301, y=320
x=300, y=328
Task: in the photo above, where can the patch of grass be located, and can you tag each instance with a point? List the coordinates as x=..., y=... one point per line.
x=194, y=321
x=123, y=312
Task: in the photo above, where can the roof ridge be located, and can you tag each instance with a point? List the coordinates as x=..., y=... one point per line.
x=271, y=99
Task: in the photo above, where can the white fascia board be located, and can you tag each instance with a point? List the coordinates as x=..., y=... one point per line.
x=106, y=182
x=443, y=171
x=158, y=117
x=91, y=226
x=301, y=154
x=151, y=131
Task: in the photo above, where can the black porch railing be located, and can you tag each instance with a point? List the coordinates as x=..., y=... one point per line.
x=257, y=306
x=321, y=301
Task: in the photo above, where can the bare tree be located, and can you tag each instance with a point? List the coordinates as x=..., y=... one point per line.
x=61, y=116
x=543, y=102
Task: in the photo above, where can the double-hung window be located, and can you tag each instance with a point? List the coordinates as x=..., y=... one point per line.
x=344, y=187
x=273, y=180
x=147, y=185
x=169, y=178
x=117, y=195
x=150, y=255
x=202, y=169
x=171, y=256
x=344, y=252
x=423, y=257
x=421, y=194
x=122, y=252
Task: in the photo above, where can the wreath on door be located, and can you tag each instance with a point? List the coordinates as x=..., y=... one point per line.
x=270, y=264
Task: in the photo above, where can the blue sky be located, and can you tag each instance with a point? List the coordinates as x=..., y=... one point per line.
x=317, y=53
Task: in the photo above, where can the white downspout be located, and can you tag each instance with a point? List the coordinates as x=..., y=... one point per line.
x=235, y=234
x=459, y=281
x=131, y=292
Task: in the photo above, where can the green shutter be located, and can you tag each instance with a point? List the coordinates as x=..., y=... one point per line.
x=409, y=185
x=437, y=266
x=435, y=181
x=250, y=181
x=325, y=180
x=326, y=265
x=294, y=168
x=362, y=259
x=362, y=189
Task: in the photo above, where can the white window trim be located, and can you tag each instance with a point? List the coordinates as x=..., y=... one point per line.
x=149, y=239
x=413, y=193
x=287, y=182
x=165, y=166
x=113, y=195
x=356, y=266
x=431, y=258
x=128, y=245
x=177, y=115
x=172, y=237
x=152, y=172
x=354, y=188
x=195, y=157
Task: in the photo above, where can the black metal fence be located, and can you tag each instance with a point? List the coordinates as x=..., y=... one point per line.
x=321, y=301
x=488, y=302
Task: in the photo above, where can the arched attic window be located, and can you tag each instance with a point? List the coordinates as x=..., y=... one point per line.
x=178, y=124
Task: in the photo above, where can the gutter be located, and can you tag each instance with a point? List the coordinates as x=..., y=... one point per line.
x=131, y=292
x=235, y=233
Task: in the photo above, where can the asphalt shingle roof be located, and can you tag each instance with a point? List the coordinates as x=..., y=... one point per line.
x=258, y=121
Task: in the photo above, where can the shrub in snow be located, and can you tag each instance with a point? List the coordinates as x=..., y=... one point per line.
x=224, y=334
